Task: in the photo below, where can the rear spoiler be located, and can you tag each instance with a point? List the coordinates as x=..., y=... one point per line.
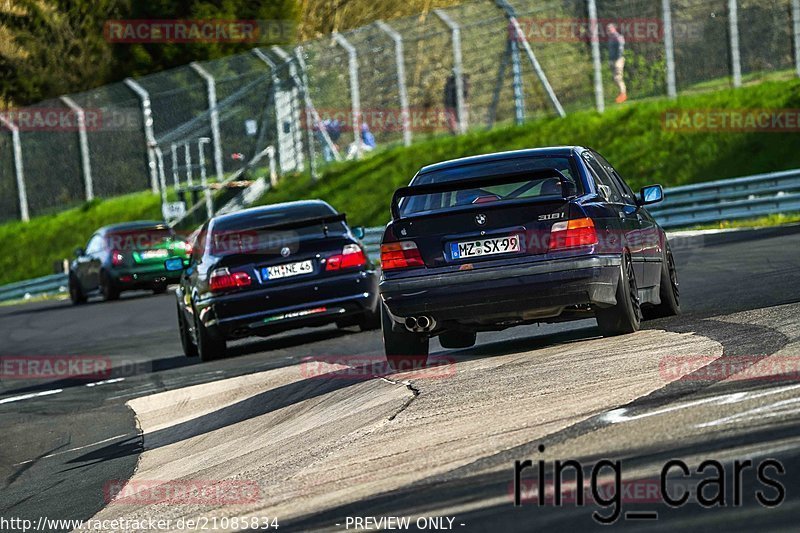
x=457, y=185
x=305, y=222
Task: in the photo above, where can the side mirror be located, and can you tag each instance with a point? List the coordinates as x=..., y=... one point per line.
x=652, y=194
x=79, y=252
x=173, y=264
x=359, y=232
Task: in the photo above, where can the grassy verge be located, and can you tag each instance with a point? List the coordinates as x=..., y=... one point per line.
x=761, y=222
x=630, y=136
x=32, y=248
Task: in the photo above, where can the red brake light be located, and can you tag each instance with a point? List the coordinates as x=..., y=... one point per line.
x=403, y=254
x=571, y=233
x=352, y=256
x=222, y=279
x=117, y=258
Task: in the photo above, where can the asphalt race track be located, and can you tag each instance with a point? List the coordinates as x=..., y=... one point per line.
x=323, y=443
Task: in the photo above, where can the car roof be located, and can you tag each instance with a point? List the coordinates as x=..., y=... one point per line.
x=135, y=224
x=563, y=151
x=244, y=215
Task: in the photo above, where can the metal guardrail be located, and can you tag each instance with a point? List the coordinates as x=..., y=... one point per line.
x=689, y=205
x=731, y=199
x=34, y=287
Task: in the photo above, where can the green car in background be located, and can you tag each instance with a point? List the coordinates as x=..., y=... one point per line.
x=125, y=257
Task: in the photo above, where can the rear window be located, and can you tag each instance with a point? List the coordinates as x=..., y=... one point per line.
x=517, y=190
x=259, y=232
x=139, y=238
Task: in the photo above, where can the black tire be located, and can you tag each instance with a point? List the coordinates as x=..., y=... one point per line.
x=371, y=319
x=210, y=344
x=404, y=350
x=458, y=339
x=669, y=290
x=107, y=288
x=187, y=343
x=626, y=315
x=159, y=289
x=75, y=292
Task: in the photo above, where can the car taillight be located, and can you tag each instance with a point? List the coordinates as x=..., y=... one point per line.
x=403, y=254
x=117, y=258
x=222, y=280
x=571, y=233
x=352, y=256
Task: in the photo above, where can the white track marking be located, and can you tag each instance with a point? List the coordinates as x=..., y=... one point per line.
x=29, y=396
x=75, y=449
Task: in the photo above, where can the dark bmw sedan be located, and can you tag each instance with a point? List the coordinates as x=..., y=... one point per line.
x=269, y=269
x=125, y=257
x=541, y=235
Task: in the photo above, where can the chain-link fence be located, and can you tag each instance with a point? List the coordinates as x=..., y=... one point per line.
x=278, y=111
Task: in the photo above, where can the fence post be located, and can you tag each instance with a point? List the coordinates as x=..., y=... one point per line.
x=303, y=82
x=458, y=69
x=796, y=31
x=599, y=97
x=174, y=149
x=211, y=88
x=355, y=89
x=736, y=61
x=520, y=35
x=298, y=138
x=203, y=179
x=314, y=115
x=149, y=136
x=19, y=171
x=669, y=48
x=187, y=155
x=83, y=141
x=161, y=177
x=519, y=93
x=401, y=78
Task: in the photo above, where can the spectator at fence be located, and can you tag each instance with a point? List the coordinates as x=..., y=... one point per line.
x=616, y=58
x=451, y=102
x=367, y=142
x=334, y=130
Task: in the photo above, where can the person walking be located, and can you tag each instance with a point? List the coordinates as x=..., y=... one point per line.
x=616, y=58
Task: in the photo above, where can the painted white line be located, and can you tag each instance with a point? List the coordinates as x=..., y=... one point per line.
x=29, y=396
x=75, y=449
x=105, y=382
x=618, y=415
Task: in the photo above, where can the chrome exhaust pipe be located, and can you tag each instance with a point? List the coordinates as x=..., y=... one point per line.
x=420, y=324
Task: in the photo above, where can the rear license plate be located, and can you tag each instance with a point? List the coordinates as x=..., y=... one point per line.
x=154, y=254
x=287, y=270
x=484, y=247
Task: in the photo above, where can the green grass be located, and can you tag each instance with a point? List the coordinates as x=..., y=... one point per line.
x=31, y=249
x=631, y=137
x=760, y=222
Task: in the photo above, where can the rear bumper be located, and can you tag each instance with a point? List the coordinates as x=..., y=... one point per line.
x=143, y=277
x=291, y=306
x=521, y=291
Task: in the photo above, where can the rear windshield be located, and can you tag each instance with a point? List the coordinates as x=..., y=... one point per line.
x=260, y=232
x=140, y=238
x=518, y=190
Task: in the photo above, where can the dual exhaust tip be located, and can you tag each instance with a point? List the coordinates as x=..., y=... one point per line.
x=420, y=324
